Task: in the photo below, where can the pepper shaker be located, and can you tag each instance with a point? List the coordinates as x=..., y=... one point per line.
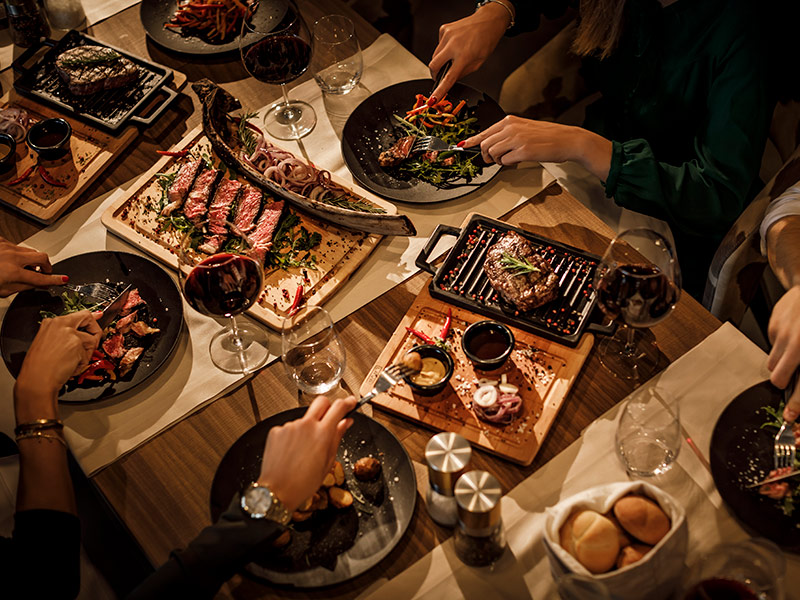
x=479, y=538
x=26, y=22
x=447, y=455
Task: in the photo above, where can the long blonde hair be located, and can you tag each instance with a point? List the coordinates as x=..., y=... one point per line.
x=599, y=27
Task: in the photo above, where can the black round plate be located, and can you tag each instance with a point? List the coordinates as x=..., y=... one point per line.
x=154, y=13
x=391, y=498
x=156, y=287
x=741, y=454
x=370, y=129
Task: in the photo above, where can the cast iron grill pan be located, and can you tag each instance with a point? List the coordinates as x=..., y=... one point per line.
x=461, y=281
x=111, y=109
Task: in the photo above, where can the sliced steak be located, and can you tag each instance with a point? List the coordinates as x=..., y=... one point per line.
x=130, y=358
x=218, y=212
x=142, y=329
x=520, y=287
x=397, y=153
x=134, y=299
x=262, y=236
x=247, y=209
x=181, y=185
x=196, y=206
x=113, y=346
x=91, y=69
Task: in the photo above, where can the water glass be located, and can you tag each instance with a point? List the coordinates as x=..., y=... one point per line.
x=313, y=355
x=336, y=62
x=648, y=436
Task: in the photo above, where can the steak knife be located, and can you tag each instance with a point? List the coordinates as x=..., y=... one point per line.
x=775, y=478
x=112, y=310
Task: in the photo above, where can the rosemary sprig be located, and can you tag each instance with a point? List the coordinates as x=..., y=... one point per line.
x=246, y=135
x=106, y=55
x=165, y=180
x=520, y=266
x=352, y=203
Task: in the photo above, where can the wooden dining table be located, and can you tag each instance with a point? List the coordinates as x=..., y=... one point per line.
x=160, y=491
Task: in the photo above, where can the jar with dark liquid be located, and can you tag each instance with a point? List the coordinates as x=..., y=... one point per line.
x=26, y=23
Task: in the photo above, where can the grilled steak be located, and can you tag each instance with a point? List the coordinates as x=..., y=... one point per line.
x=91, y=69
x=181, y=185
x=397, y=153
x=196, y=205
x=526, y=286
x=262, y=236
x=218, y=212
x=247, y=210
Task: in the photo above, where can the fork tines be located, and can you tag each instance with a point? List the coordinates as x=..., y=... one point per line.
x=399, y=370
x=422, y=143
x=785, y=449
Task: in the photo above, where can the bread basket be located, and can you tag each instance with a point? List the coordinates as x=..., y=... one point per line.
x=653, y=577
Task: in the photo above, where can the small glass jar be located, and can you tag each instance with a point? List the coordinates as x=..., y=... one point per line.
x=64, y=14
x=26, y=23
x=447, y=455
x=479, y=539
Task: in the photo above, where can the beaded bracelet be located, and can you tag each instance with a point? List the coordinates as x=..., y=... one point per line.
x=39, y=435
x=39, y=425
x=504, y=5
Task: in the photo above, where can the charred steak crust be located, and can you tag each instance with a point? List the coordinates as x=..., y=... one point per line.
x=91, y=69
x=527, y=290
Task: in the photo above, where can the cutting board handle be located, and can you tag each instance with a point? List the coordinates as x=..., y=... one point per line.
x=19, y=64
x=441, y=230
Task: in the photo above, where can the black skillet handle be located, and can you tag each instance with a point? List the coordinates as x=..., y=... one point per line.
x=19, y=64
x=170, y=96
x=441, y=231
x=601, y=329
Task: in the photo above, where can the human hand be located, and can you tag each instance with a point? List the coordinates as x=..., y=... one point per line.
x=62, y=348
x=300, y=453
x=468, y=42
x=14, y=277
x=784, y=334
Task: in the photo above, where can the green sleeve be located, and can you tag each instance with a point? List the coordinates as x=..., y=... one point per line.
x=704, y=194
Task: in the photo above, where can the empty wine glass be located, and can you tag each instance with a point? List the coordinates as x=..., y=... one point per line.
x=276, y=48
x=337, y=63
x=224, y=285
x=638, y=283
x=313, y=355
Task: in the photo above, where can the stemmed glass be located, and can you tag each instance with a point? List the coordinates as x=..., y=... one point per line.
x=337, y=62
x=313, y=355
x=638, y=282
x=224, y=285
x=276, y=48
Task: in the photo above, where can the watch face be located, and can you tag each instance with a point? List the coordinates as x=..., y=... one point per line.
x=257, y=501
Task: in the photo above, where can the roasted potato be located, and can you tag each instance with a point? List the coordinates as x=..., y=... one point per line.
x=367, y=468
x=339, y=497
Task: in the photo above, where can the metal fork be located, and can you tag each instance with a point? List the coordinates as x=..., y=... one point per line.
x=99, y=292
x=785, y=448
x=389, y=377
x=431, y=143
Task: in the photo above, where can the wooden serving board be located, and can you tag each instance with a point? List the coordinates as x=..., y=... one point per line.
x=92, y=150
x=339, y=253
x=543, y=371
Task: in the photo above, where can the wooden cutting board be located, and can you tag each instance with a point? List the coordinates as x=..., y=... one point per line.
x=543, y=371
x=92, y=150
x=338, y=255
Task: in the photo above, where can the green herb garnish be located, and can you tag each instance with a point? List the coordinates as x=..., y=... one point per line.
x=73, y=302
x=290, y=242
x=246, y=135
x=97, y=57
x=353, y=203
x=519, y=266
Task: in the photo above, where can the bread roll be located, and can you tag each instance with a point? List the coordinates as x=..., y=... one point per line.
x=624, y=538
x=631, y=554
x=592, y=539
x=642, y=518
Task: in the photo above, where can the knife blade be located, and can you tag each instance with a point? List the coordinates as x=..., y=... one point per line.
x=440, y=75
x=112, y=310
x=774, y=479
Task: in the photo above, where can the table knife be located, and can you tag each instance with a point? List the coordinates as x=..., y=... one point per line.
x=112, y=310
x=775, y=478
x=440, y=75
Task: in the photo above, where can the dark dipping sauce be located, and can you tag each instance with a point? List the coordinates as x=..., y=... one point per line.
x=488, y=344
x=5, y=150
x=49, y=139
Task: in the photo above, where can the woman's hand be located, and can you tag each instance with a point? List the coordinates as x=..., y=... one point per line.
x=62, y=348
x=300, y=453
x=784, y=359
x=468, y=42
x=514, y=140
x=14, y=277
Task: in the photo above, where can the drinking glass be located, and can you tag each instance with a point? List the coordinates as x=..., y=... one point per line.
x=313, y=355
x=224, y=285
x=648, y=437
x=336, y=63
x=276, y=48
x=638, y=283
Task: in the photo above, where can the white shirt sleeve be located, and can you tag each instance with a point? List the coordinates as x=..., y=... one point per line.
x=785, y=205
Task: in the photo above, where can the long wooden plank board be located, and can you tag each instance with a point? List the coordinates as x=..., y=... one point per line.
x=338, y=255
x=543, y=371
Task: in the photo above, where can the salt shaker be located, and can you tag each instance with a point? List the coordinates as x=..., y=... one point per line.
x=479, y=538
x=447, y=455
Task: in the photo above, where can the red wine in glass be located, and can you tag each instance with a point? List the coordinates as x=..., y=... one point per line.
x=719, y=588
x=278, y=59
x=640, y=294
x=223, y=285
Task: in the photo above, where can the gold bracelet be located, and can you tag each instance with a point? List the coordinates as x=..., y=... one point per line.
x=510, y=9
x=39, y=435
x=38, y=425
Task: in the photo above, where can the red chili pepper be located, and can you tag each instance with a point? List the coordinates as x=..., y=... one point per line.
x=22, y=177
x=298, y=295
x=178, y=153
x=424, y=337
x=446, y=326
x=49, y=178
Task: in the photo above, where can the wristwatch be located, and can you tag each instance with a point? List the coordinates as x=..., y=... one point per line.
x=259, y=502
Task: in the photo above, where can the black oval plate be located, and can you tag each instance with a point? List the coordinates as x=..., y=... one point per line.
x=741, y=454
x=154, y=13
x=370, y=129
x=155, y=286
x=375, y=534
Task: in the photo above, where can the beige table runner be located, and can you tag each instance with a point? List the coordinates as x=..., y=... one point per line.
x=704, y=380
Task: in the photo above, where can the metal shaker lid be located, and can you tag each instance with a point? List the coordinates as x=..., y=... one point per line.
x=447, y=455
x=478, y=496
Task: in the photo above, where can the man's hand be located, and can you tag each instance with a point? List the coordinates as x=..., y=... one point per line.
x=15, y=277
x=784, y=359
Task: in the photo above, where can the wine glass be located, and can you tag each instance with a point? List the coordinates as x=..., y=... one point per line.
x=313, y=355
x=337, y=62
x=224, y=285
x=638, y=282
x=276, y=48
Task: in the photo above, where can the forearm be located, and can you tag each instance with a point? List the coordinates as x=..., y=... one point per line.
x=783, y=250
x=593, y=152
